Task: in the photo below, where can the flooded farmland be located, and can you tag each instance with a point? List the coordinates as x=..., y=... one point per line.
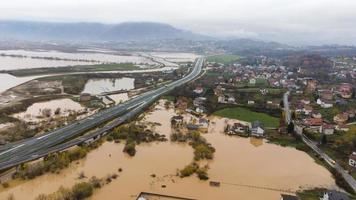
x=39, y=111
x=8, y=81
x=21, y=59
x=244, y=167
x=98, y=86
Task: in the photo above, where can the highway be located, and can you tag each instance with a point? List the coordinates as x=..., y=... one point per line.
x=348, y=178
x=36, y=147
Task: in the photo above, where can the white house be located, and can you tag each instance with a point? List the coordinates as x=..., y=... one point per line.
x=231, y=99
x=221, y=99
x=257, y=129
x=198, y=90
x=253, y=81
x=250, y=102
x=352, y=159
x=324, y=103
x=327, y=129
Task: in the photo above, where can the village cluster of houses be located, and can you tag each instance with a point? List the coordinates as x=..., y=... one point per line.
x=276, y=76
x=314, y=120
x=327, y=195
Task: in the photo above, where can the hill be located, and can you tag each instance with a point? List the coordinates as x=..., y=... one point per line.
x=97, y=32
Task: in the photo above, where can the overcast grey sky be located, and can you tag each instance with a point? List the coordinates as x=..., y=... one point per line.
x=289, y=21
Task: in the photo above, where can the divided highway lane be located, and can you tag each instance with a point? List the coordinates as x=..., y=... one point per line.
x=30, y=149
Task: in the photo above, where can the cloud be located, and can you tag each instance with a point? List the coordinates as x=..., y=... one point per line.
x=290, y=21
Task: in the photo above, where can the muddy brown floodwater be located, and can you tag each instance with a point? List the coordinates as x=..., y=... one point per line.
x=238, y=163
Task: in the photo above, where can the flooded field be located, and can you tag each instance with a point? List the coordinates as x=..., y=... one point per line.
x=176, y=57
x=8, y=81
x=98, y=86
x=10, y=63
x=119, y=98
x=244, y=167
x=39, y=111
x=64, y=59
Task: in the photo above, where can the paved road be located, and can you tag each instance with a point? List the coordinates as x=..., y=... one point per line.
x=286, y=107
x=348, y=178
x=62, y=138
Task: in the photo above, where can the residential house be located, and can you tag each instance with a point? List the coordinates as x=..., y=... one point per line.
x=198, y=90
x=221, y=98
x=192, y=127
x=236, y=128
x=203, y=123
x=199, y=101
x=273, y=104
x=341, y=118
x=231, y=99
x=177, y=120
x=352, y=159
x=107, y=101
x=200, y=109
x=219, y=90
x=263, y=91
x=324, y=103
x=326, y=94
x=327, y=129
x=345, y=90
x=288, y=197
x=351, y=113
x=250, y=102
x=85, y=97
x=313, y=122
x=181, y=104
x=257, y=129
x=334, y=195
x=316, y=114
x=305, y=101
x=342, y=127
x=307, y=110
x=311, y=85
x=298, y=128
x=252, y=81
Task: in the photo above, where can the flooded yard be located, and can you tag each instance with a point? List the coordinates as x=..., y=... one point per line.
x=243, y=166
x=98, y=86
x=42, y=110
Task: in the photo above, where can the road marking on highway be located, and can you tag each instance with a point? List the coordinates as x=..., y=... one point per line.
x=44, y=136
x=12, y=149
x=134, y=105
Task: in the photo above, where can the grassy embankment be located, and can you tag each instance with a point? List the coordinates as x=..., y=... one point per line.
x=247, y=115
x=223, y=59
x=72, y=69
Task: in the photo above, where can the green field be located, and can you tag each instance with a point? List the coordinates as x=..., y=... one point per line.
x=224, y=59
x=247, y=115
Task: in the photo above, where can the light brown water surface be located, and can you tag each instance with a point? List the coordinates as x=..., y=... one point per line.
x=244, y=166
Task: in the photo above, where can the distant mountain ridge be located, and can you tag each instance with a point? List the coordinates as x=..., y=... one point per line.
x=135, y=31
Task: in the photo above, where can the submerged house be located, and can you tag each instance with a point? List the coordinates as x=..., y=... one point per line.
x=257, y=129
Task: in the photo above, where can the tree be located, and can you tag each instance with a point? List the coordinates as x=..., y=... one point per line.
x=324, y=140
x=290, y=128
x=82, y=190
x=281, y=104
x=294, y=115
